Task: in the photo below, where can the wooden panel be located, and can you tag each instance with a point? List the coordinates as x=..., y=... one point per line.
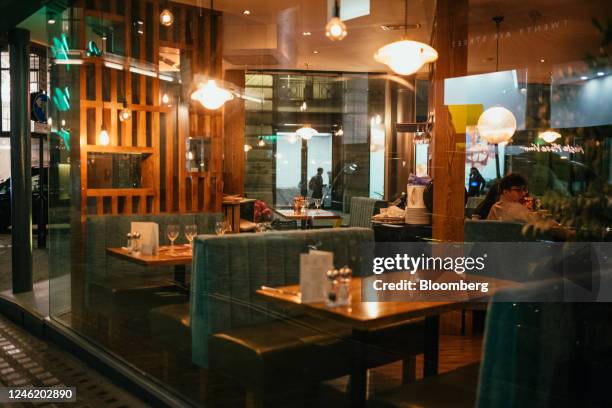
x=170, y=137
x=113, y=110
x=119, y=192
x=448, y=147
x=233, y=137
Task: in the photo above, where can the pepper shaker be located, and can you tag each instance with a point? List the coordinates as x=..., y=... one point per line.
x=344, y=289
x=129, y=242
x=332, y=292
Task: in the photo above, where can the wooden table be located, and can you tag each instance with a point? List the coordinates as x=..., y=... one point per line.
x=181, y=256
x=364, y=317
x=310, y=214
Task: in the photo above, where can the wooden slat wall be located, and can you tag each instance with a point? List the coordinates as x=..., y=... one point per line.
x=448, y=146
x=200, y=191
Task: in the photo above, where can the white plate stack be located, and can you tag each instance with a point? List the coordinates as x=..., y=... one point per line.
x=416, y=212
x=417, y=216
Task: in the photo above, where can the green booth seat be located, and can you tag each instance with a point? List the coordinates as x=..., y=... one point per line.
x=119, y=289
x=537, y=352
x=266, y=346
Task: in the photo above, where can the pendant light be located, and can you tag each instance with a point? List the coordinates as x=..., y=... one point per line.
x=103, y=138
x=497, y=124
x=549, y=136
x=405, y=57
x=125, y=113
x=166, y=18
x=210, y=95
x=306, y=132
x=335, y=29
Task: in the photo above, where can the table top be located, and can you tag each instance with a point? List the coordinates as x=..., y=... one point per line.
x=315, y=214
x=374, y=314
x=181, y=255
x=237, y=201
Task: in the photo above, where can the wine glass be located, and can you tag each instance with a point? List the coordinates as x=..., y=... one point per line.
x=190, y=232
x=317, y=204
x=220, y=227
x=172, y=231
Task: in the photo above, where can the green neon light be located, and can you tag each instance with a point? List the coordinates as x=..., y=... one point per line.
x=61, y=99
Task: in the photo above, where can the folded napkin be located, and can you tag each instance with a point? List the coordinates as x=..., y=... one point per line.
x=391, y=212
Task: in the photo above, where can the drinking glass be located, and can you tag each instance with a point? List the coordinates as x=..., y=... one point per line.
x=190, y=232
x=220, y=227
x=172, y=231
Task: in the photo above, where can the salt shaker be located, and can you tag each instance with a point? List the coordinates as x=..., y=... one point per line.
x=130, y=243
x=344, y=288
x=332, y=293
x=136, y=242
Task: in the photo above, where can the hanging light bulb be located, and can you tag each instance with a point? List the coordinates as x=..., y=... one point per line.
x=247, y=148
x=405, y=57
x=125, y=114
x=335, y=29
x=211, y=96
x=303, y=106
x=549, y=136
x=496, y=125
x=340, y=132
x=103, y=137
x=165, y=99
x=261, y=143
x=166, y=18
x=306, y=132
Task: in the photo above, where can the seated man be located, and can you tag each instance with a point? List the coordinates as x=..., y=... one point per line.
x=509, y=208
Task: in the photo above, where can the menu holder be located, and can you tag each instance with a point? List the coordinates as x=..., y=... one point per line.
x=313, y=275
x=149, y=236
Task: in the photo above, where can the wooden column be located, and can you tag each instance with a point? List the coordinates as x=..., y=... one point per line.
x=233, y=138
x=448, y=164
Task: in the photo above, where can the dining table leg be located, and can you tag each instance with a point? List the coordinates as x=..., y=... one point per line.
x=179, y=274
x=359, y=371
x=432, y=345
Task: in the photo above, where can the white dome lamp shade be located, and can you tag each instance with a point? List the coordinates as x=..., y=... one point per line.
x=405, y=57
x=496, y=125
x=211, y=96
x=306, y=132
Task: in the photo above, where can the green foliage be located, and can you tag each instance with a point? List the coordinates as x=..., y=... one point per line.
x=590, y=214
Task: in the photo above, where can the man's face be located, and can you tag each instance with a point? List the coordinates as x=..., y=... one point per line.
x=515, y=193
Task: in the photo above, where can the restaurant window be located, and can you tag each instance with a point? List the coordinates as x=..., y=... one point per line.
x=37, y=71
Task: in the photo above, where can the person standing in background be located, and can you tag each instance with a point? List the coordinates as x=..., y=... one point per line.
x=476, y=183
x=316, y=184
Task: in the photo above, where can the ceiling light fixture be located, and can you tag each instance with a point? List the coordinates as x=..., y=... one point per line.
x=340, y=132
x=125, y=113
x=405, y=57
x=335, y=29
x=549, y=136
x=497, y=124
x=315, y=52
x=247, y=148
x=600, y=73
x=246, y=12
x=166, y=18
x=584, y=78
x=306, y=132
x=306, y=33
x=210, y=95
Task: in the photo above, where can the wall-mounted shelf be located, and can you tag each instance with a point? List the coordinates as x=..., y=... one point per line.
x=120, y=149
